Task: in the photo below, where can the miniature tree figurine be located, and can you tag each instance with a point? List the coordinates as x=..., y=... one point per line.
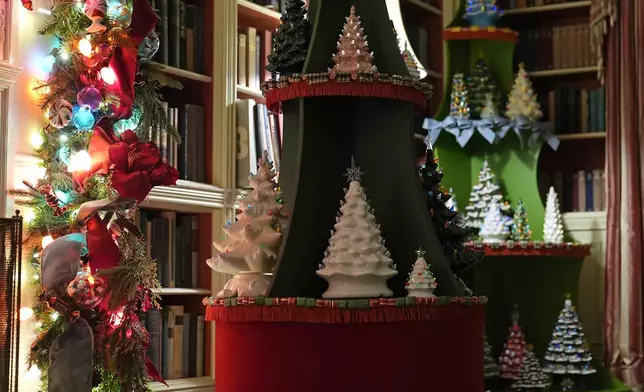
x=459, y=105
x=481, y=84
x=489, y=110
x=482, y=13
x=567, y=353
x=486, y=190
x=356, y=263
x=513, y=352
x=490, y=367
x=410, y=62
x=495, y=227
x=450, y=233
x=553, y=224
x=353, y=54
x=531, y=377
x=522, y=101
x=291, y=41
x=251, y=243
x=520, y=226
x=421, y=282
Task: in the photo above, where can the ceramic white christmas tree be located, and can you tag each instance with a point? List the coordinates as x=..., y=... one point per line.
x=249, y=246
x=489, y=110
x=421, y=282
x=486, y=190
x=522, y=101
x=496, y=226
x=553, y=232
x=356, y=263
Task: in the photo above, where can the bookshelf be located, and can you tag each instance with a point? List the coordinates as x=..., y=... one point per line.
x=554, y=43
x=424, y=6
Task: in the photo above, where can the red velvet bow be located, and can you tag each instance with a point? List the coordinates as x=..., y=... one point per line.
x=124, y=60
x=134, y=166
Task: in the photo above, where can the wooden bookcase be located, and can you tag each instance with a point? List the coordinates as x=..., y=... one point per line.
x=216, y=90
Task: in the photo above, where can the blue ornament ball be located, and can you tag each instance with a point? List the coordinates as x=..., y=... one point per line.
x=83, y=118
x=89, y=96
x=130, y=123
x=149, y=46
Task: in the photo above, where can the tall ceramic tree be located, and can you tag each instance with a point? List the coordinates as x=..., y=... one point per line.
x=450, y=233
x=291, y=41
x=459, y=98
x=522, y=101
x=92, y=272
x=353, y=54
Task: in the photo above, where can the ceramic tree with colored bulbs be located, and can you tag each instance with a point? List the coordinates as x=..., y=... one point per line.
x=421, y=282
x=249, y=247
x=482, y=13
x=90, y=265
x=514, y=351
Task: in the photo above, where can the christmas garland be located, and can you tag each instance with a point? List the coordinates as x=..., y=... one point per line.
x=91, y=268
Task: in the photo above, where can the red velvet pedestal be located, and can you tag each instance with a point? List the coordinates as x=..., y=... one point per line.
x=302, y=349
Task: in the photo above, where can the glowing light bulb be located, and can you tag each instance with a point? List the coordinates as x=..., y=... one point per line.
x=46, y=240
x=85, y=47
x=55, y=315
x=36, y=139
x=79, y=161
x=33, y=373
x=26, y=313
x=63, y=54
x=116, y=318
x=108, y=75
x=48, y=64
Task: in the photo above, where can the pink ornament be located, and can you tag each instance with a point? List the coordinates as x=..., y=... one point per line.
x=96, y=10
x=86, y=289
x=89, y=96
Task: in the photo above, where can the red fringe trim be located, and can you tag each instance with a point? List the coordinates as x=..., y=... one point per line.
x=490, y=33
x=334, y=88
x=318, y=315
x=534, y=249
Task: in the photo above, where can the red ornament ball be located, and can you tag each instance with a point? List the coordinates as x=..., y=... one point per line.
x=86, y=289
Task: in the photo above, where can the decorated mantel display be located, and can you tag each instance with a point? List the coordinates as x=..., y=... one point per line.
x=496, y=226
x=447, y=223
x=92, y=276
x=553, y=232
x=522, y=115
x=520, y=226
x=531, y=376
x=421, y=282
x=249, y=247
x=513, y=353
x=482, y=13
x=568, y=356
x=356, y=263
x=483, y=192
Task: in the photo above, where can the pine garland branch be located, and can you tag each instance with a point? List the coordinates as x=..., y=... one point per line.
x=66, y=20
x=155, y=116
x=125, y=354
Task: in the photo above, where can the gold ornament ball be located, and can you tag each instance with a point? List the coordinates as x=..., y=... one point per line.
x=116, y=35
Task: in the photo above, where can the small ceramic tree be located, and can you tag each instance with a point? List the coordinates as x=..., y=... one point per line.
x=356, y=263
x=553, y=232
x=459, y=105
x=489, y=110
x=291, y=40
x=531, y=377
x=495, y=227
x=421, y=282
x=480, y=84
x=522, y=101
x=490, y=367
x=353, y=54
x=410, y=62
x=520, y=227
x=513, y=352
x=486, y=190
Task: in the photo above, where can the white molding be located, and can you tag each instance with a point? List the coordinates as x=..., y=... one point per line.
x=584, y=221
x=186, y=196
x=166, y=291
x=198, y=384
x=8, y=74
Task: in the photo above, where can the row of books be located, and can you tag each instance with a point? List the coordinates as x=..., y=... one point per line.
x=176, y=341
x=555, y=48
x=257, y=131
x=573, y=110
x=583, y=190
x=253, y=48
x=173, y=241
x=189, y=156
x=181, y=34
x=514, y=4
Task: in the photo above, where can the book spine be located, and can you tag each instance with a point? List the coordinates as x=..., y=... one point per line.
x=589, y=191
x=199, y=39
x=175, y=33
x=598, y=192
x=190, y=37
x=581, y=190
x=185, y=366
x=183, y=60
x=242, y=80
x=163, y=32
x=154, y=326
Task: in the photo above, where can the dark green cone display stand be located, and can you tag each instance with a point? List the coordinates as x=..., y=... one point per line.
x=320, y=136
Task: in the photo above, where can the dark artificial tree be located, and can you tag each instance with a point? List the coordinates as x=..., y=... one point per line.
x=451, y=235
x=291, y=41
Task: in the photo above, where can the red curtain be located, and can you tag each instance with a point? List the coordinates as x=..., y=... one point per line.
x=624, y=59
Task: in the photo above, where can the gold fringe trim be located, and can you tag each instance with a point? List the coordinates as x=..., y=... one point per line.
x=603, y=14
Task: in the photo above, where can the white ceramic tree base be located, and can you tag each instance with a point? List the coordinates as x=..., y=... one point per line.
x=421, y=293
x=246, y=284
x=362, y=286
x=494, y=238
